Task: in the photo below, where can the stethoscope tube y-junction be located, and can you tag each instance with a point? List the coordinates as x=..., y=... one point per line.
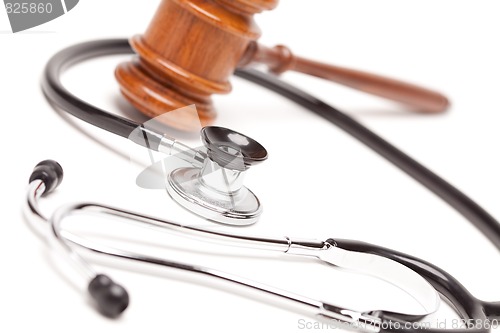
x=467, y=305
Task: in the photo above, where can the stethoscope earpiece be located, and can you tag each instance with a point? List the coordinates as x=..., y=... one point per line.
x=111, y=298
x=50, y=173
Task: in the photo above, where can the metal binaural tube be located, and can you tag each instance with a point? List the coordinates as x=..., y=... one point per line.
x=280, y=244
x=112, y=299
x=369, y=264
x=325, y=312
x=171, y=146
x=31, y=210
x=44, y=229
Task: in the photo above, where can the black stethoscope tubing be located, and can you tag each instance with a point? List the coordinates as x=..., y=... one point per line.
x=463, y=301
x=56, y=92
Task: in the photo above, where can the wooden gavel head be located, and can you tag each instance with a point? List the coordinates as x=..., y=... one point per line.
x=192, y=47
x=188, y=53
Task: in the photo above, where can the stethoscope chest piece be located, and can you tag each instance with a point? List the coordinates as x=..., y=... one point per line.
x=215, y=191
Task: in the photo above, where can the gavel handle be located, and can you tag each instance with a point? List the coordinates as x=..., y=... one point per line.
x=280, y=59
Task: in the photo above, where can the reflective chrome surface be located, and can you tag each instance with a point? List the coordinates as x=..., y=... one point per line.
x=49, y=233
x=388, y=270
x=213, y=189
x=362, y=320
x=215, y=193
x=171, y=146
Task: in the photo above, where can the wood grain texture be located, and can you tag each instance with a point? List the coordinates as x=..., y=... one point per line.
x=188, y=53
x=192, y=47
x=280, y=59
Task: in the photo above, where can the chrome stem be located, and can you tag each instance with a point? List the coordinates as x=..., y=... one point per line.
x=48, y=233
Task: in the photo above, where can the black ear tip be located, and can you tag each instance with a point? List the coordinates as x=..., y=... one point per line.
x=111, y=298
x=50, y=172
x=331, y=241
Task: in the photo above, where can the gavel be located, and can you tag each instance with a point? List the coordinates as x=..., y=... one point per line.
x=192, y=47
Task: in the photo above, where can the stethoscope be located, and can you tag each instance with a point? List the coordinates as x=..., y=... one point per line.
x=111, y=299
x=47, y=176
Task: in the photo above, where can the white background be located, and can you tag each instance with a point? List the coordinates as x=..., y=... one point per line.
x=318, y=182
